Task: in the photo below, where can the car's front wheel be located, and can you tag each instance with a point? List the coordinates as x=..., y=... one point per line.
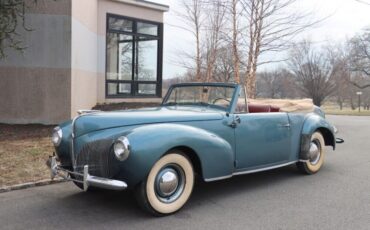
x=168, y=185
x=317, y=153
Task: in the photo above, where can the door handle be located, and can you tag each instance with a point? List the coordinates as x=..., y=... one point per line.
x=285, y=125
x=234, y=123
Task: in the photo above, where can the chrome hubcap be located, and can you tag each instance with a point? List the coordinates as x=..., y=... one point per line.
x=315, y=152
x=170, y=182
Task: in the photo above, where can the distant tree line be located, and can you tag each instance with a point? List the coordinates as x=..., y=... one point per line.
x=335, y=72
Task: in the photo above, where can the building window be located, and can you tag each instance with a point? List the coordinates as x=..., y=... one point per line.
x=134, y=57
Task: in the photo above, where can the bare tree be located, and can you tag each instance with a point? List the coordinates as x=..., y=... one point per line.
x=338, y=53
x=193, y=19
x=216, y=20
x=235, y=39
x=314, y=71
x=359, y=56
x=254, y=27
x=224, y=65
x=272, y=24
x=278, y=83
x=268, y=84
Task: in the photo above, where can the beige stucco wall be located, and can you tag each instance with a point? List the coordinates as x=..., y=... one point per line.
x=34, y=95
x=35, y=85
x=84, y=47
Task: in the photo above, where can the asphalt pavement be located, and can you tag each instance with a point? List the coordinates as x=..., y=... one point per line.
x=338, y=197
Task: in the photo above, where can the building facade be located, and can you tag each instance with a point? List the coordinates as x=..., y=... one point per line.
x=80, y=53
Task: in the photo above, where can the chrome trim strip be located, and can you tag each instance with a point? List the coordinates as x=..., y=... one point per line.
x=218, y=178
x=72, y=143
x=305, y=161
x=84, y=111
x=74, y=159
x=263, y=169
x=249, y=172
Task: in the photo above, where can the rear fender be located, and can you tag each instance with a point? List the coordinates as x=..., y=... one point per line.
x=313, y=123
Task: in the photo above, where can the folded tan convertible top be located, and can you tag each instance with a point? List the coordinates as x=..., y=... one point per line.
x=287, y=105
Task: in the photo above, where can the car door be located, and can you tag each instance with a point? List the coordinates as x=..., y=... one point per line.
x=261, y=140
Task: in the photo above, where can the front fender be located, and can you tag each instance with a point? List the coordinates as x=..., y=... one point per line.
x=151, y=142
x=313, y=123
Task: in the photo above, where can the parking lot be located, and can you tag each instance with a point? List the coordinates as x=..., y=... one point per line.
x=338, y=197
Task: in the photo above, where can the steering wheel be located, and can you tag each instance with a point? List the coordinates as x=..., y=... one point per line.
x=220, y=98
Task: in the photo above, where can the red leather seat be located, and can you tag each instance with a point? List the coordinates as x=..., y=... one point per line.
x=254, y=108
x=274, y=109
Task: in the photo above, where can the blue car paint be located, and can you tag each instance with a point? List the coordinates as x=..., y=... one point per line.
x=154, y=131
x=99, y=121
x=151, y=142
x=262, y=139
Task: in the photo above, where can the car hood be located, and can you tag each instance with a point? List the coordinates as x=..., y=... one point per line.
x=105, y=120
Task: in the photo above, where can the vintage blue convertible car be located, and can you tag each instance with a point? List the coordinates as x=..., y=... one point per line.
x=205, y=129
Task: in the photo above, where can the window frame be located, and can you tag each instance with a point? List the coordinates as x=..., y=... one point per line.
x=135, y=83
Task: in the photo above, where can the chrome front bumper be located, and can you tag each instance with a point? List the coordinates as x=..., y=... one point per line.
x=88, y=180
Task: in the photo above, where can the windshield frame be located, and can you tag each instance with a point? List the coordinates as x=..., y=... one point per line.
x=233, y=102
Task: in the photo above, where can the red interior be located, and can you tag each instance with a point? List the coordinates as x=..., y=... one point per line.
x=254, y=108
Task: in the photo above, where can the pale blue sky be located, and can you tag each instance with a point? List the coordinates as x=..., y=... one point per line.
x=347, y=18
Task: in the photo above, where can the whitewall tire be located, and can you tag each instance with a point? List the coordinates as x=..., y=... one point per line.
x=314, y=164
x=168, y=185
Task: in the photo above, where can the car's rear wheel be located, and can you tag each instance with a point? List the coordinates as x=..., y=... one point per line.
x=168, y=186
x=317, y=155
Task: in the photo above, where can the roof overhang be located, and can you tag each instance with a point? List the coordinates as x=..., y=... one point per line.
x=146, y=4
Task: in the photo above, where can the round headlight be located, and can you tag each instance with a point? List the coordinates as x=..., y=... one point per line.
x=121, y=148
x=57, y=135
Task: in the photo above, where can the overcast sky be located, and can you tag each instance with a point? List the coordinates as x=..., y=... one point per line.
x=347, y=17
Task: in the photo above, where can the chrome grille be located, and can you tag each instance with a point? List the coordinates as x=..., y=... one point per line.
x=98, y=157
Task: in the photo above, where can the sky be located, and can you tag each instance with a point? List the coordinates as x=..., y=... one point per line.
x=345, y=18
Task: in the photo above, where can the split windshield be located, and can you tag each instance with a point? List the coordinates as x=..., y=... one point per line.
x=201, y=95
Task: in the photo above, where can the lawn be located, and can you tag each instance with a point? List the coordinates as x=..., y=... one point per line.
x=24, y=149
x=23, y=152
x=333, y=109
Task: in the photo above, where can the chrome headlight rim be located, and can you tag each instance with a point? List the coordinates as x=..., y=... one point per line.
x=57, y=136
x=122, y=148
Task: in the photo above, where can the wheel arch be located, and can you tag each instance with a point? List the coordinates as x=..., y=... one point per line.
x=314, y=123
x=193, y=157
x=328, y=136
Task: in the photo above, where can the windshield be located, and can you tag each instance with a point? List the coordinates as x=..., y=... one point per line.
x=212, y=96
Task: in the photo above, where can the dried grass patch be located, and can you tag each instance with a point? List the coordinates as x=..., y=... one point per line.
x=22, y=156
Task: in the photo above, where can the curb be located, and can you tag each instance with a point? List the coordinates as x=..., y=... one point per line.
x=31, y=185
